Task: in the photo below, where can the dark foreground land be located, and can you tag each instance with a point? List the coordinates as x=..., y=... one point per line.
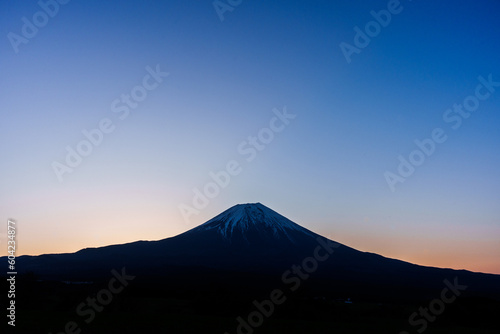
x=203, y=303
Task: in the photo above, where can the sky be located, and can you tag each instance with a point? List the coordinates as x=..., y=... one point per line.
x=373, y=123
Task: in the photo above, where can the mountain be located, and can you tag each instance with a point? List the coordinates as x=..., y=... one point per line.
x=219, y=277
x=251, y=240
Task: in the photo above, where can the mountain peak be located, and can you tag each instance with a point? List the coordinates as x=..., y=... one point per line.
x=253, y=221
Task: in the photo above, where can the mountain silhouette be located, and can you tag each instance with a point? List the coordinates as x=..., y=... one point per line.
x=252, y=245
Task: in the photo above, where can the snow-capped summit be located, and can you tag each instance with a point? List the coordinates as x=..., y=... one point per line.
x=253, y=222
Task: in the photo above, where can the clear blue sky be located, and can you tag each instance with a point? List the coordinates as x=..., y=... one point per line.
x=326, y=169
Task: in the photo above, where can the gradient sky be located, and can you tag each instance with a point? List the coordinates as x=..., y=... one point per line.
x=325, y=170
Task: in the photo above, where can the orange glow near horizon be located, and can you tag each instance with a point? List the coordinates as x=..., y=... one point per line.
x=478, y=256
x=431, y=252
